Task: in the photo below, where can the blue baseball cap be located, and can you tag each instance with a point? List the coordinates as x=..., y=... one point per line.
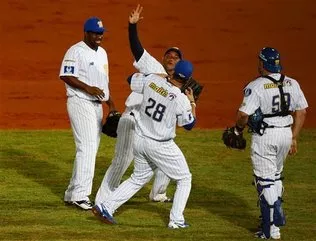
x=94, y=25
x=183, y=69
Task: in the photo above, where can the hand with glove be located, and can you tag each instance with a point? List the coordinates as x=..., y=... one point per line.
x=233, y=138
x=110, y=126
x=195, y=86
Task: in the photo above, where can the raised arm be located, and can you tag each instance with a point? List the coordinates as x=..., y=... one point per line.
x=135, y=45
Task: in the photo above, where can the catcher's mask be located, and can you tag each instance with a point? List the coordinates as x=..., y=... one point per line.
x=271, y=59
x=183, y=71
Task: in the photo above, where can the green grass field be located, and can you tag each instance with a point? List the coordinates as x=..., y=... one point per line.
x=36, y=166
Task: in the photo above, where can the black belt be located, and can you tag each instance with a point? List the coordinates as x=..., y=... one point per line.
x=278, y=126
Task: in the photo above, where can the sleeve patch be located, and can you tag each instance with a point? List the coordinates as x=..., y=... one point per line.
x=247, y=92
x=69, y=69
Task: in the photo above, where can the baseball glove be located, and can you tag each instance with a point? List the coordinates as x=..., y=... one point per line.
x=110, y=126
x=195, y=86
x=233, y=140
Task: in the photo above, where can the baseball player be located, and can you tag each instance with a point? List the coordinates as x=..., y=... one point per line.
x=146, y=64
x=163, y=106
x=274, y=107
x=84, y=70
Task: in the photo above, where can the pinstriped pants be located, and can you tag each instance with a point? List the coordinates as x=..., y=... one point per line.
x=149, y=155
x=86, y=123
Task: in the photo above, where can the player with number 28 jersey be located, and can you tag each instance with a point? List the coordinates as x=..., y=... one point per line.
x=162, y=108
x=163, y=103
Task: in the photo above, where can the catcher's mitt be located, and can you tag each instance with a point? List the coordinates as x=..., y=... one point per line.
x=195, y=86
x=110, y=126
x=233, y=140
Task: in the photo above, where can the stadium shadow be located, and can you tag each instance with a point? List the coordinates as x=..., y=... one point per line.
x=226, y=205
x=31, y=167
x=140, y=201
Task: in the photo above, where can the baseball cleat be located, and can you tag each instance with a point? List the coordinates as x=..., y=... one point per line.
x=175, y=225
x=100, y=212
x=83, y=204
x=160, y=198
x=261, y=235
x=163, y=200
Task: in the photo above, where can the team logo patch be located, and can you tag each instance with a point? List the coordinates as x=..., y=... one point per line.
x=172, y=96
x=247, y=92
x=100, y=24
x=181, y=75
x=69, y=69
x=287, y=83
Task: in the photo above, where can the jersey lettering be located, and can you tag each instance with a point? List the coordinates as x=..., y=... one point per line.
x=158, y=113
x=276, y=103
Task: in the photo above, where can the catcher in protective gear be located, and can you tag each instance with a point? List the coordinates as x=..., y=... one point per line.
x=233, y=138
x=110, y=126
x=194, y=85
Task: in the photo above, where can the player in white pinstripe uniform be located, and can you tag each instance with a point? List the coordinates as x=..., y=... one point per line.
x=163, y=107
x=272, y=104
x=146, y=64
x=84, y=70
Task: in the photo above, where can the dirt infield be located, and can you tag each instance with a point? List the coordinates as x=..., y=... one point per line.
x=222, y=39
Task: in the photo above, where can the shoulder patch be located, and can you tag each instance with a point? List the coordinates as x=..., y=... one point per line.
x=247, y=92
x=69, y=69
x=172, y=96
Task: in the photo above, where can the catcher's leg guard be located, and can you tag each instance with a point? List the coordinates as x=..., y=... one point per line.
x=279, y=184
x=279, y=217
x=265, y=214
x=267, y=199
x=278, y=214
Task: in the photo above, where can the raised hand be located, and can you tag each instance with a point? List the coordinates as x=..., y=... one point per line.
x=189, y=94
x=135, y=15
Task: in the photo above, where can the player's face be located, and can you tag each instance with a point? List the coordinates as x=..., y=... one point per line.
x=170, y=60
x=93, y=39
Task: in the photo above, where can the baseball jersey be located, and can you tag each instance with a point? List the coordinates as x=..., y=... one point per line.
x=89, y=66
x=147, y=64
x=263, y=93
x=162, y=108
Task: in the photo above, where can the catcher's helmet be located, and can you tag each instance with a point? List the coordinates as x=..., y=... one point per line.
x=271, y=59
x=183, y=70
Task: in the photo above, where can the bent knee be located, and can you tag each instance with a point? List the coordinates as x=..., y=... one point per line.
x=187, y=177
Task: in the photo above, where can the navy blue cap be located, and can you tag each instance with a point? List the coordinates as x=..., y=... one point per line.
x=183, y=69
x=94, y=25
x=174, y=49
